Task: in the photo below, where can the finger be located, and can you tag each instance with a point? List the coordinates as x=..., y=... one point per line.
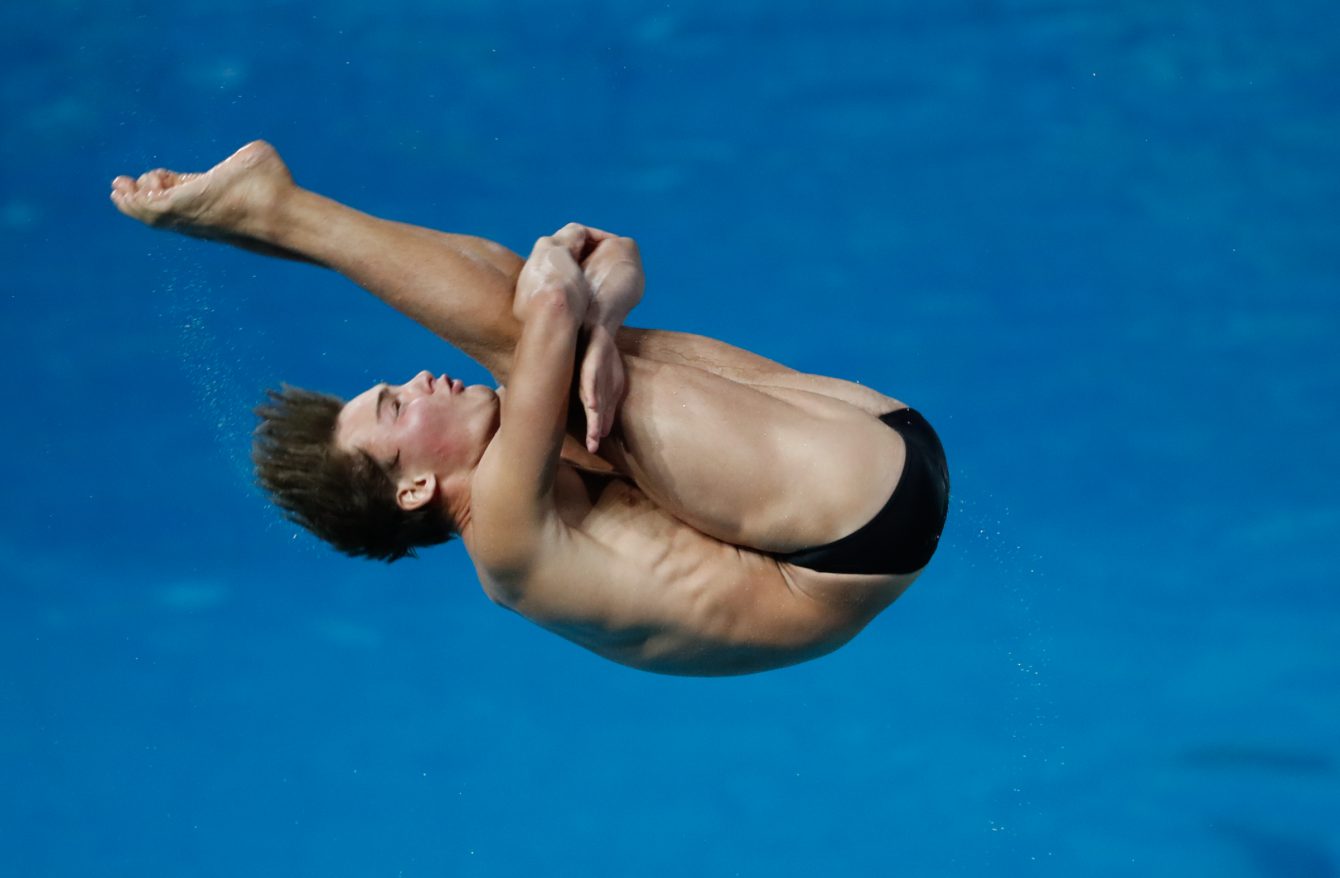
x=602, y=411
x=586, y=389
x=592, y=429
x=611, y=255
x=572, y=237
x=543, y=244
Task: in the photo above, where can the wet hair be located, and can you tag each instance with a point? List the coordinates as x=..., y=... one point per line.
x=347, y=499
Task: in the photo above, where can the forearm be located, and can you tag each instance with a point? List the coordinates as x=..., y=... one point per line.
x=458, y=286
x=535, y=407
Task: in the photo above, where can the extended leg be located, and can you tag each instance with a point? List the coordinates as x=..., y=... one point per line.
x=458, y=286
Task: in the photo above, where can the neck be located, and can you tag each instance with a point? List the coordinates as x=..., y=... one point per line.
x=455, y=502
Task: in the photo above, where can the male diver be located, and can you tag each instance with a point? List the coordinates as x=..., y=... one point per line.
x=740, y=516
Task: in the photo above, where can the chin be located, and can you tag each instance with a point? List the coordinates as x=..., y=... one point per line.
x=496, y=418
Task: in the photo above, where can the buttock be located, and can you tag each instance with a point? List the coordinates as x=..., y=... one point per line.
x=903, y=535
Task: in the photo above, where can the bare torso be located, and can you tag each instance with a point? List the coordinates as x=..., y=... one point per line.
x=664, y=597
x=667, y=566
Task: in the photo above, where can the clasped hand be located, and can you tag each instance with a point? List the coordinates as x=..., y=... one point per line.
x=601, y=276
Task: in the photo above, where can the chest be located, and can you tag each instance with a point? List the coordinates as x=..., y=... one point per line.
x=606, y=506
x=651, y=546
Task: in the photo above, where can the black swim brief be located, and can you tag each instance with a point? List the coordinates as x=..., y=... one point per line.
x=903, y=535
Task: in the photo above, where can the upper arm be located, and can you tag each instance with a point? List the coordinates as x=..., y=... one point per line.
x=512, y=496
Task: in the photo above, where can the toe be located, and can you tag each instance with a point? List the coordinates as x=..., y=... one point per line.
x=158, y=178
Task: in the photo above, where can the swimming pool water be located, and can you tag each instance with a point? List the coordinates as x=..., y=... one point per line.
x=1095, y=245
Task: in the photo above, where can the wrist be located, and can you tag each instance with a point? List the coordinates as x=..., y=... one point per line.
x=601, y=317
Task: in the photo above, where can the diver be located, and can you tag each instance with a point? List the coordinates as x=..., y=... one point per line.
x=666, y=500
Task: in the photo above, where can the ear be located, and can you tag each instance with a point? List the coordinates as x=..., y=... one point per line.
x=412, y=494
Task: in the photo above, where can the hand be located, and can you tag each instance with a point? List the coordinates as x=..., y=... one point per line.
x=614, y=269
x=613, y=266
x=551, y=266
x=601, y=385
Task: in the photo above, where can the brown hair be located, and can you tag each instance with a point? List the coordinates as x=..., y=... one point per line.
x=346, y=499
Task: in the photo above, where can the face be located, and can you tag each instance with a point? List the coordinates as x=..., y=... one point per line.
x=428, y=425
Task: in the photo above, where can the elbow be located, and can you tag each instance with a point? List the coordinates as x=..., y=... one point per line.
x=506, y=569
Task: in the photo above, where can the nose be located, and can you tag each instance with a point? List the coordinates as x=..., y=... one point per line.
x=423, y=381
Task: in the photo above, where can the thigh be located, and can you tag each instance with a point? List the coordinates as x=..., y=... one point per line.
x=745, y=367
x=770, y=471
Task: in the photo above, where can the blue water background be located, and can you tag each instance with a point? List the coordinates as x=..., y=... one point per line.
x=1097, y=244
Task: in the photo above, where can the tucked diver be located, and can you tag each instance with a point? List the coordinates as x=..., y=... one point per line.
x=723, y=515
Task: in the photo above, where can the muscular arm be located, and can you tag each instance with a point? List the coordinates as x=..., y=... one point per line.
x=513, y=489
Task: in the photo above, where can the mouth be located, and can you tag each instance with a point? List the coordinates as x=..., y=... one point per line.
x=454, y=386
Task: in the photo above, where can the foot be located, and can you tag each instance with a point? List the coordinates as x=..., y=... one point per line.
x=238, y=200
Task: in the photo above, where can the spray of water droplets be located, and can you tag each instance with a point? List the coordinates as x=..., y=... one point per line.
x=207, y=337
x=1011, y=576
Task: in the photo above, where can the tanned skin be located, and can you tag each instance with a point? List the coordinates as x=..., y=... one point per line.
x=657, y=552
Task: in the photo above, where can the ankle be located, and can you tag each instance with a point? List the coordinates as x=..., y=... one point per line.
x=309, y=227
x=289, y=218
